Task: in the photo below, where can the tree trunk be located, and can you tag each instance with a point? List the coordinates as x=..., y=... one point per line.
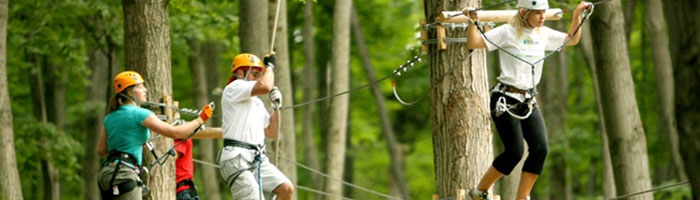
x=310, y=87
x=587, y=49
x=208, y=148
x=283, y=80
x=52, y=187
x=460, y=111
x=555, y=92
x=10, y=186
x=40, y=103
x=658, y=36
x=629, y=15
x=95, y=94
x=683, y=26
x=209, y=188
x=396, y=154
x=147, y=51
x=340, y=76
x=55, y=90
x=622, y=121
x=253, y=32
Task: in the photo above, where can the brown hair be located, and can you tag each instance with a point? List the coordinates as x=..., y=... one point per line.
x=119, y=99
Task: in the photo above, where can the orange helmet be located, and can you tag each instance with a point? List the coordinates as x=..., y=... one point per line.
x=246, y=60
x=125, y=79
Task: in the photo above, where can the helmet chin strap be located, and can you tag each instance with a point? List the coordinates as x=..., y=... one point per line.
x=132, y=98
x=247, y=72
x=524, y=19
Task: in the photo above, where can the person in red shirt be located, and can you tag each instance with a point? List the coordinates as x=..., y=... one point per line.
x=184, y=171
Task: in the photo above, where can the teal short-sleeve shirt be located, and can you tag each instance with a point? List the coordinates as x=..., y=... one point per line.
x=125, y=131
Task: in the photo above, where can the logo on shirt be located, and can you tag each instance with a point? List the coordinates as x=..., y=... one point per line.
x=529, y=41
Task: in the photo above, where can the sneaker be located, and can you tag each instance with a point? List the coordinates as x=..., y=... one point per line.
x=475, y=194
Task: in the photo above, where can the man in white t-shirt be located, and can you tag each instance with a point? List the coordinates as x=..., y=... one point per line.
x=245, y=124
x=522, y=44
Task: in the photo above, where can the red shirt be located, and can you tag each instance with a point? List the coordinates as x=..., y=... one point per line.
x=184, y=167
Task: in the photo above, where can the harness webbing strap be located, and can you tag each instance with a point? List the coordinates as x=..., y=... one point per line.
x=259, y=150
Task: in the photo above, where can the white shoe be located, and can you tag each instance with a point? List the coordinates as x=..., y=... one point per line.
x=475, y=194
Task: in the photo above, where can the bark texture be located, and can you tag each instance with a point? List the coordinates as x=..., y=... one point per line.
x=685, y=51
x=340, y=75
x=10, y=186
x=147, y=51
x=460, y=113
x=622, y=121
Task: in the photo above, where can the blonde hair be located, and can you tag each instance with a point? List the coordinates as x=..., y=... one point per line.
x=518, y=22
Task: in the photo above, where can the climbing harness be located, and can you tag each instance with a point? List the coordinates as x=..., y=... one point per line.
x=259, y=152
x=502, y=105
x=124, y=159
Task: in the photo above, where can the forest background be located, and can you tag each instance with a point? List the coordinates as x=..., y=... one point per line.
x=49, y=44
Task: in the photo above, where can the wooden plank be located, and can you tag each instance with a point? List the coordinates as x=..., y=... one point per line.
x=493, y=15
x=441, y=37
x=211, y=132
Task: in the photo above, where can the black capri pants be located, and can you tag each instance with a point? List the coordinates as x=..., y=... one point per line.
x=513, y=131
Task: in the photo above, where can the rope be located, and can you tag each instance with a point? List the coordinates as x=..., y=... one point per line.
x=425, y=94
x=341, y=181
x=297, y=186
x=314, y=171
x=346, y=92
x=650, y=190
x=279, y=136
x=320, y=192
x=274, y=28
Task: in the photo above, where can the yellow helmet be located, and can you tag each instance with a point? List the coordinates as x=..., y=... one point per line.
x=125, y=79
x=246, y=60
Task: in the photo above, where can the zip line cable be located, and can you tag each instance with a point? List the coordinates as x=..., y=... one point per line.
x=651, y=190
x=314, y=171
x=425, y=94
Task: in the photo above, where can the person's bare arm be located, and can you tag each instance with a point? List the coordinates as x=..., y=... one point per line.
x=102, y=143
x=264, y=83
x=271, y=130
x=176, y=132
x=573, y=33
x=474, y=40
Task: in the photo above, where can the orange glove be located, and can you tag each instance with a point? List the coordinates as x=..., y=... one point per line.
x=207, y=112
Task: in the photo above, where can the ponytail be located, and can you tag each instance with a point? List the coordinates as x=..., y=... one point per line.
x=119, y=99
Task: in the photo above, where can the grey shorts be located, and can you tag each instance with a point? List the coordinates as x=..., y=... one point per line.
x=125, y=173
x=246, y=185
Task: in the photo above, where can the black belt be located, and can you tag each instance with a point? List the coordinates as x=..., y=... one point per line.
x=236, y=143
x=508, y=88
x=187, y=182
x=125, y=157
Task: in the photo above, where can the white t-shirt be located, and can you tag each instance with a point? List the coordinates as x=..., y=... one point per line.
x=531, y=46
x=244, y=116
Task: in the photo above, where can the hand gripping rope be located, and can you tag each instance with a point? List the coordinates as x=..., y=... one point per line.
x=171, y=152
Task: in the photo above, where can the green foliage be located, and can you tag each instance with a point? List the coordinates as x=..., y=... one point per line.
x=36, y=141
x=65, y=31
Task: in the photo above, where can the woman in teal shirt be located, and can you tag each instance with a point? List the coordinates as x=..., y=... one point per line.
x=124, y=131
